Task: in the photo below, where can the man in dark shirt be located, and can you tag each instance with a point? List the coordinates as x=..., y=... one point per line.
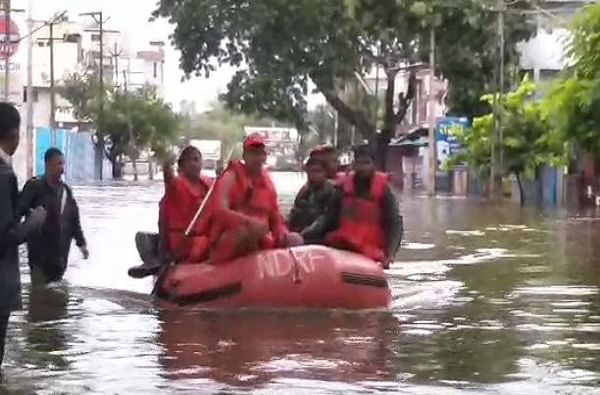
x=358, y=186
x=12, y=232
x=49, y=250
x=328, y=154
x=312, y=198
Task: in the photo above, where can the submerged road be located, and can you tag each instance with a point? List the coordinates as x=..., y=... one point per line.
x=487, y=300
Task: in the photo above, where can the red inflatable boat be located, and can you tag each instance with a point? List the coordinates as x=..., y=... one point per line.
x=300, y=277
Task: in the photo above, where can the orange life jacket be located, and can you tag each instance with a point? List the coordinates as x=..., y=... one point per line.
x=361, y=219
x=180, y=203
x=254, y=198
x=339, y=178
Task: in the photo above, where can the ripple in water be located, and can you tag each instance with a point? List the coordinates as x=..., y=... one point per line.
x=495, y=309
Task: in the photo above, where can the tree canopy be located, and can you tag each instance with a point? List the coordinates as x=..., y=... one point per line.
x=527, y=140
x=282, y=47
x=573, y=102
x=132, y=122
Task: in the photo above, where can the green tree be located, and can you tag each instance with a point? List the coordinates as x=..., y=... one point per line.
x=528, y=142
x=573, y=102
x=282, y=45
x=467, y=51
x=83, y=92
x=139, y=121
x=132, y=122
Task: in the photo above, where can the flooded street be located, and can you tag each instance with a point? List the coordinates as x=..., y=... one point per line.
x=487, y=300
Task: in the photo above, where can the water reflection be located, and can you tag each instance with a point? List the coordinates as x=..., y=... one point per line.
x=251, y=348
x=45, y=338
x=487, y=300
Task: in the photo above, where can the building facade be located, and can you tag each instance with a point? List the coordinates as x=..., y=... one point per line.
x=76, y=47
x=418, y=111
x=544, y=55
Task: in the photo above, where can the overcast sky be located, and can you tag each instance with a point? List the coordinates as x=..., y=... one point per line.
x=131, y=17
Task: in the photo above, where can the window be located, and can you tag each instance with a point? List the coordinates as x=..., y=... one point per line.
x=548, y=75
x=525, y=72
x=155, y=69
x=36, y=96
x=72, y=38
x=95, y=37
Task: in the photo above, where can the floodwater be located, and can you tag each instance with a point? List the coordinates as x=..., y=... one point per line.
x=487, y=300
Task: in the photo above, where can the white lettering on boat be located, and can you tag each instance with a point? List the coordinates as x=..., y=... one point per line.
x=280, y=264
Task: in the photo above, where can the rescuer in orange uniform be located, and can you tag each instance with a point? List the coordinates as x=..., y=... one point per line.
x=362, y=216
x=245, y=213
x=183, y=195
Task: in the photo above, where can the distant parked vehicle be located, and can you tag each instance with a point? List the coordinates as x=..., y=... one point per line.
x=211, y=152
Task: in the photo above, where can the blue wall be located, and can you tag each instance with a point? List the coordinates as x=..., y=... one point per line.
x=550, y=186
x=42, y=143
x=475, y=185
x=79, y=154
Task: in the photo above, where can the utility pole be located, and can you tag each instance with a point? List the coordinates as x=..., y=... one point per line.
x=376, y=115
x=7, y=43
x=29, y=121
x=101, y=117
x=52, y=93
x=115, y=53
x=501, y=78
x=432, y=141
x=497, y=160
x=98, y=17
x=58, y=18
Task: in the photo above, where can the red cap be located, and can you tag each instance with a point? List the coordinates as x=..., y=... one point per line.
x=315, y=151
x=254, y=140
x=322, y=149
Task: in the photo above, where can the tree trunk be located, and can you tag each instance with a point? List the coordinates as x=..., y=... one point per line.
x=150, y=168
x=521, y=191
x=368, y=127
x=135, y=169
x=99, y=159
x=117, y=169
x=393, y=118
x=354, y=117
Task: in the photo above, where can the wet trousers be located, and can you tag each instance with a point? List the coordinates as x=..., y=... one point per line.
x=237, y=242
x=192, y=249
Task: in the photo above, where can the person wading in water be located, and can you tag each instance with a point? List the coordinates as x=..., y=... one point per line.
x=49, y=250
x=12, y=231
